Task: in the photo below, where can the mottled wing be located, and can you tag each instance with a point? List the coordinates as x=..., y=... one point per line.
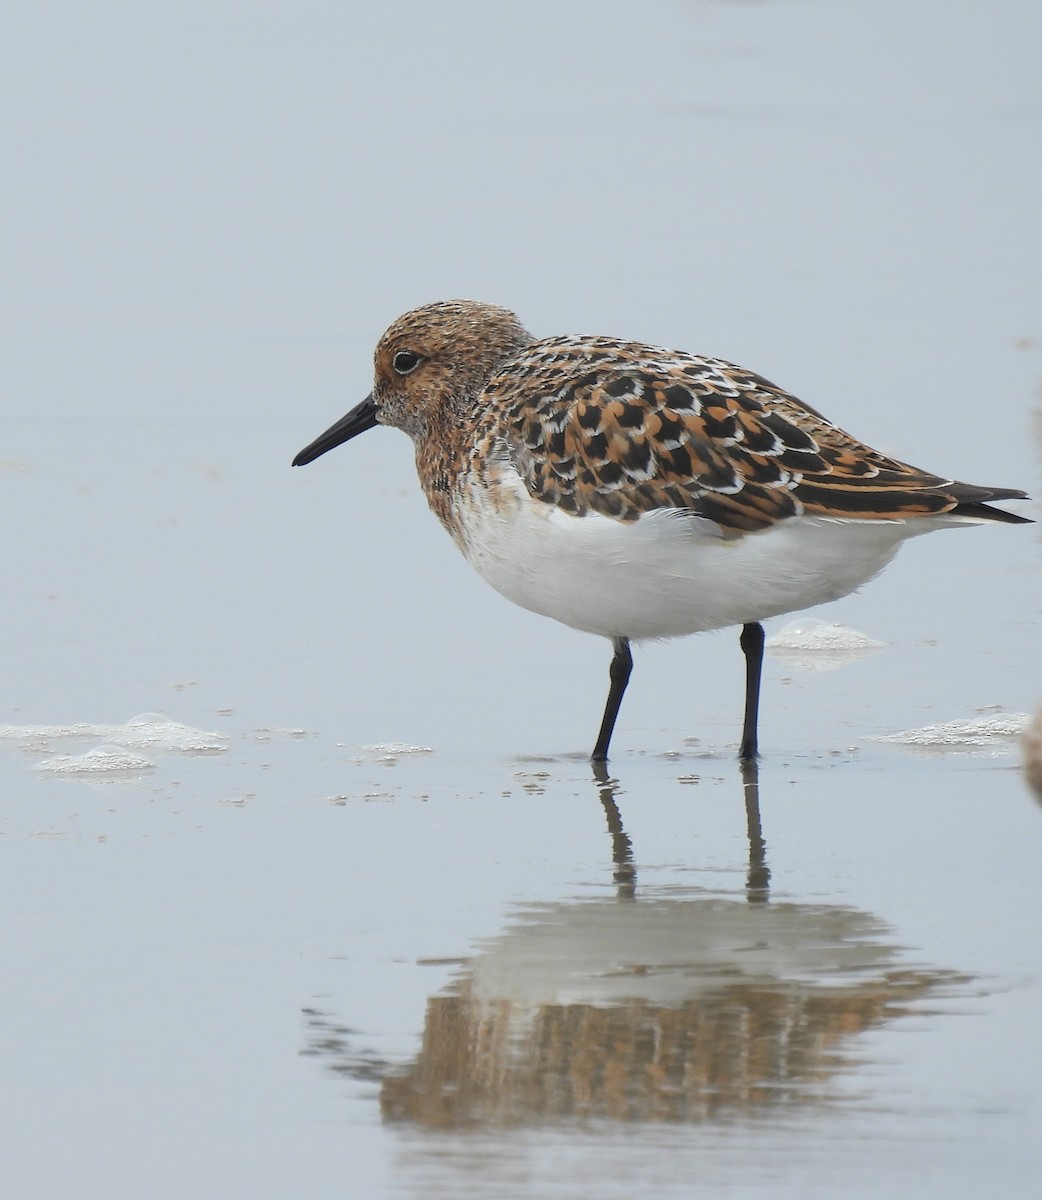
x=621, y=429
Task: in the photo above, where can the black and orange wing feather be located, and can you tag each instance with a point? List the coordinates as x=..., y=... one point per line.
x=621, y=429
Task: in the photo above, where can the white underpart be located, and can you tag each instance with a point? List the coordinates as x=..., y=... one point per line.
x=669, y=573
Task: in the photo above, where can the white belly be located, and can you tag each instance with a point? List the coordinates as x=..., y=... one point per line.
x=668, y=573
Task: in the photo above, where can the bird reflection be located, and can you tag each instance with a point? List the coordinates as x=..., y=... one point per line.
x=677, y=1005
x=625, y=874
x=758, y=877
x=1033, y=756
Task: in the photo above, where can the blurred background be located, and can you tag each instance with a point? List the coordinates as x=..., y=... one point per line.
x=211, y=212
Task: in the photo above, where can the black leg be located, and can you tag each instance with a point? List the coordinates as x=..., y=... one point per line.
x=619, y=673
x=752, y=648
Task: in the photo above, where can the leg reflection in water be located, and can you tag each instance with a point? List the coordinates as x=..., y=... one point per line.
x=758, y=876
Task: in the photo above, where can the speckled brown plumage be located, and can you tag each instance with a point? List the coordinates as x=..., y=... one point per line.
x=621, y=428
x=595, y=424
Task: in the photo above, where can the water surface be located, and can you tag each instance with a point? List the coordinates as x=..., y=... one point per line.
x=384, y=932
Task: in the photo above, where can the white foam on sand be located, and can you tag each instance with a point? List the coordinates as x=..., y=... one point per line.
x=102, y=760
x=146, y=731
x=389, y=752
x=997, y=732
x=820, y=645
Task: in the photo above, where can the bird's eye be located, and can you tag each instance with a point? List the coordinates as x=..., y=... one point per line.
x=405, y=361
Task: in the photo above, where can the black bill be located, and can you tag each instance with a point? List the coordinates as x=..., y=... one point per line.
x=358, y=420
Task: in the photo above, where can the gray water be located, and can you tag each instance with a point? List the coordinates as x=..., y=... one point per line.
x=388, y=935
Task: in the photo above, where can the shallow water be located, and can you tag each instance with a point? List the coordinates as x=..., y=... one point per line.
x=346, y=911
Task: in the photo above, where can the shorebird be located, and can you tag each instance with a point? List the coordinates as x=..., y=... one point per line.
x=636, y=492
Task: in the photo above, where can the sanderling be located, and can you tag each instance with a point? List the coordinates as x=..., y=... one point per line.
x=636, y=492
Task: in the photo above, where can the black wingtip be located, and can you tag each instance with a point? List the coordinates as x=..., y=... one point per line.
x=997, y=516
x=975, y=503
